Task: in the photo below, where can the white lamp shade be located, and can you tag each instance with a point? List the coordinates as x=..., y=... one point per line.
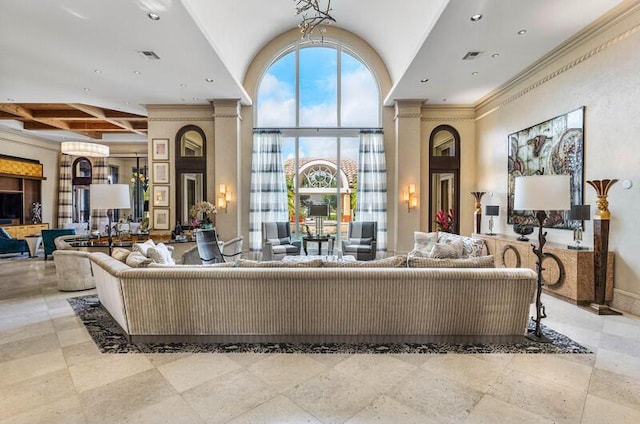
x=109, y=196
x=82, y=148
x=542, y=193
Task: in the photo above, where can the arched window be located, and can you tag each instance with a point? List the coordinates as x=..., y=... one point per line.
x=444, y=174
x=319, y=96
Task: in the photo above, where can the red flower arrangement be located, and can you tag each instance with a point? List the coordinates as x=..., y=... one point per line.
x=444, y=221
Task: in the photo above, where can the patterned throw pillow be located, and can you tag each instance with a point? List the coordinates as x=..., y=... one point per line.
x=423, y=244
x=160, y=254
x=399, y=261
x=138, y=260
x=480, y=262
x=451, y=250
x=472, y=247
x=143, y=247
x=120, y=253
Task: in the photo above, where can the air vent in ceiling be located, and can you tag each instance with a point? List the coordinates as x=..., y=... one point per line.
x=149, y=54
x=471, y=55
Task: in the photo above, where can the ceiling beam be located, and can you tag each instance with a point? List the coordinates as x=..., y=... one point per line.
x=66, y=114
x=25, y=113
x=99, y=113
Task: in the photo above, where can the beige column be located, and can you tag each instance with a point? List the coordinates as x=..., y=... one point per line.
x=227, y=167
x=407, y=171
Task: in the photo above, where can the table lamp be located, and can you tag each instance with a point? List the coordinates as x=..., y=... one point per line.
x=491, y=211
x=541, y=193
x=109, y=197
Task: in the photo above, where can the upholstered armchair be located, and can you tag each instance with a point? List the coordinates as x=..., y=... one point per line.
x=276, y=241
x=208, y=247
x=73, y=270
x=49, y=237
x=362, y=240
x=232, y=249
x=11, y=245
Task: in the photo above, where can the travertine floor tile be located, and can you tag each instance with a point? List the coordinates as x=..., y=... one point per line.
x=491, y=411
x=617, y=388
x=171, y=410
x=381, y=372
x=618, y=363
x=107, y=369
x=278, y=410
x=598, y=411
x=63, y=411
x=28, y=347
x=555, y=369
x=73, y=336
x=196, y=369
x=387, y=410
x=81, y=353
x=284, y=371
x=31, y=366
x=464, y=369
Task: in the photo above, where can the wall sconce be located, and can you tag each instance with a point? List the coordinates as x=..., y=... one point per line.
x=411, y=198
x=224, y=197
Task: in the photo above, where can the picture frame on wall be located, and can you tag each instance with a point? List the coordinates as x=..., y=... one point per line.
x=160, y=195
x=161, y=173
x=552, y=147
x=160, y=149
x=161, y=219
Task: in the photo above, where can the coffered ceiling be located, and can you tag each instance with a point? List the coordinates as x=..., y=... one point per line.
x=76, y=69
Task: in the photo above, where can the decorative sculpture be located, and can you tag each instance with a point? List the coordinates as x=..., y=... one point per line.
x=601, y=246
x=478, y=212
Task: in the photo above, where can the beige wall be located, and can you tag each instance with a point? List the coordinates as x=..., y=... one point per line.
x=602, y=74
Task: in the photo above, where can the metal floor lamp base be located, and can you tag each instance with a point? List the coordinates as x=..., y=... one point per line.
x=531, y=335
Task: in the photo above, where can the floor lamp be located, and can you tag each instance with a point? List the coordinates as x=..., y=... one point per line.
x=109, y=197
x=541, y=193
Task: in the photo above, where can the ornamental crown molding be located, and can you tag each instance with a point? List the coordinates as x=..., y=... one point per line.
x=184, y=119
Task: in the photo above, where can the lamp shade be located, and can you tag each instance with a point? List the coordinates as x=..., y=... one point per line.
x=82, y=148
x=580, y=212
x=542, y=193
x=109, y=196
x=492, y=210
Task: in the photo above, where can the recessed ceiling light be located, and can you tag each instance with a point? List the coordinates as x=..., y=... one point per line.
x=97, y=71
x=522, y=32
x=9, y=99
x=183, y=85
x=495, y=55
x=474, y=73
x=444, y=100
x=195, y=99
x=153, y=16
x=424, y=80
x=476, y=17
x=87, y=89
x=127, y=103
x=136, y=72
x=208, y=79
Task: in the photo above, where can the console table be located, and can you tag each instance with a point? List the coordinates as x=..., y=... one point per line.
x=568, y=273
x=317, y=239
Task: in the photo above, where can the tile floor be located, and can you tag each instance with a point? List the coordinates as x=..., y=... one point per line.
x=51, y=372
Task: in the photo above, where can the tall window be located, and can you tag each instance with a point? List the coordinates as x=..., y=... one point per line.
x=320, y=96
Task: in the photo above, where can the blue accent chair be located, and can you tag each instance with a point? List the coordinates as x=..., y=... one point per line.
x=11, y=245
x=48, y=237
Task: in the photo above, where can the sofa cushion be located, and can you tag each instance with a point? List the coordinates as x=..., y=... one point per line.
x=143, y=247
x=161, y=254
x=120, y=253
x=279, y=241
x=399, y=261
x=137, y=260
x=472, y=247
x=284, y=249
x=364, y=241
x=192, y=266
x=423, y=243
x=452, y=250
x=4, y=234
x=358, y=248
x=475, y=262
x=247, y=263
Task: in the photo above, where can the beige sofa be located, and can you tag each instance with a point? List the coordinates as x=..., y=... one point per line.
x=235, y=304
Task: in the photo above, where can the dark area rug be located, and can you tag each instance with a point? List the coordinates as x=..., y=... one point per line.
x=110, y=339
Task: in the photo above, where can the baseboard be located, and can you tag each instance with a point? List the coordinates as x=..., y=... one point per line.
x=625, y=301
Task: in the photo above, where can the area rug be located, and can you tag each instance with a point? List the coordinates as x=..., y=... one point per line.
x=110, y=339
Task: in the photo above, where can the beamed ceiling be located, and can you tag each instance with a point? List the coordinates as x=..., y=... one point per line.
x=86, y=120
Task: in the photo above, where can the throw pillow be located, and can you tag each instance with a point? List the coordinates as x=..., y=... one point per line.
x=138, y=260
x=399, y=261
x=448, y=250
x=120, y=253
x=247, y=263
x=480, y=262
x=423, y=243
x=472, y=247
x=279, y=241
x=361, y=241
x=160, y=254
x=143, y=247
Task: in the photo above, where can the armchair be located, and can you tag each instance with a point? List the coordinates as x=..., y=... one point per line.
x=73, y=270
x=49, y=236
x=362, y=240
x=208, y=247
x=12, y=245
x=276, y=241
x=232, y=249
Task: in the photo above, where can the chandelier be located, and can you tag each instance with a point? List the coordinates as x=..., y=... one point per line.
x=314, y=18
x=81, y=148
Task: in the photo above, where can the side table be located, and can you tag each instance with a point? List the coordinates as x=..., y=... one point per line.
x=33, y=243
x=317, y=239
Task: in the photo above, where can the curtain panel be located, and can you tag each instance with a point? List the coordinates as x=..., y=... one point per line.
x=65, y=198
x=268, y=196
x=100, y=176
x=372, y=183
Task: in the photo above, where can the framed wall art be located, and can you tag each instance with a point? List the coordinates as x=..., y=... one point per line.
x=553, y=147
x=160, y=149
x=160, y=195
x=161, y=219
x=161, y=173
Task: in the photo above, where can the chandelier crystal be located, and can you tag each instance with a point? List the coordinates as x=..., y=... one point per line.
x=314, y=19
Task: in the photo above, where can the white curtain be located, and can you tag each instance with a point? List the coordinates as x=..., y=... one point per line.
x=99, y=173
x=372, y=183
x=65, y=207
x=268, y=201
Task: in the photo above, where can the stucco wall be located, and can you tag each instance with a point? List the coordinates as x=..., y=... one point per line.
x=601, y=74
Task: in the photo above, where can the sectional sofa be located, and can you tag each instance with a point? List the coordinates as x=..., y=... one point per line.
x=274, y=302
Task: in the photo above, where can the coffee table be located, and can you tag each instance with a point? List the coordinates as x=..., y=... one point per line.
x=326, y=258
